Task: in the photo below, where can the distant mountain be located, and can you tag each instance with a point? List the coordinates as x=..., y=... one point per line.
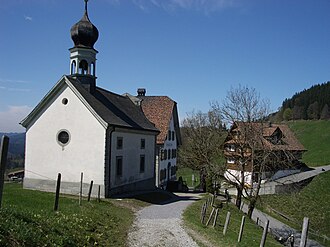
x=16, y=143
x=312, y=103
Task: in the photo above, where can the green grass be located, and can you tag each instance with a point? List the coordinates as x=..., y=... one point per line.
x=315, y=136
x=312, y=202
x=27, y=219
x=251, y=234
x=186, y=174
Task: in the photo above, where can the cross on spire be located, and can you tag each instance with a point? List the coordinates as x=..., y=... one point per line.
x=86, y=1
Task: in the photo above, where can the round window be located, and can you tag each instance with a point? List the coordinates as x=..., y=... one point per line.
x=65, y=101
x=63, y=137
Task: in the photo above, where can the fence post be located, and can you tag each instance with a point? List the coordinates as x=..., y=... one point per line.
x=264, y=234
x=3, y=161
x=226, y=223
x=81, y=184
x=90, y=191
x=304, y=232
x=241, y=230
x=208, y=221
x=57, y=194
x=204, y=212
x=215, y=217
x=99, y=194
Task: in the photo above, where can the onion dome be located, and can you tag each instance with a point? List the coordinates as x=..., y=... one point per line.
x=84, y=33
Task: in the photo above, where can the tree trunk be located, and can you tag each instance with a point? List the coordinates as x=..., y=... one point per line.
x=254, y=198
x=239, y=196
x=240, y=188
x=252, y=205
x=203, y=180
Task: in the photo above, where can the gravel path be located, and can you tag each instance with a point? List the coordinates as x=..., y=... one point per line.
x=161, y=225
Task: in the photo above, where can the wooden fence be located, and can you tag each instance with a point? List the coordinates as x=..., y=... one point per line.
x=210, y=211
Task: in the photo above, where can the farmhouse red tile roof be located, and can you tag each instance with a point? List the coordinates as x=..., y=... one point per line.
x=291, y=142
x=159, y=110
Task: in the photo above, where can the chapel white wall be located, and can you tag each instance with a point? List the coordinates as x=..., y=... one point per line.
x=45, y=158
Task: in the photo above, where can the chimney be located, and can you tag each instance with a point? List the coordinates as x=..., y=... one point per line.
x=141, y=92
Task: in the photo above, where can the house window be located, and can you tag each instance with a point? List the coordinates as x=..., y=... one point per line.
x=169, y=135
x=162, y=154
x=174, y=153
x=173, y=135
x=142, y=163
x=119, y=166
x=169, y=154
x=63, y=137
x=230, y=161
x=119, y=143
x=165, y=154
x=143, y=143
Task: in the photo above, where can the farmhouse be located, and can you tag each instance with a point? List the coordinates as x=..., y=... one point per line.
x=80, y=127
x=162, y=111
x=260, y=150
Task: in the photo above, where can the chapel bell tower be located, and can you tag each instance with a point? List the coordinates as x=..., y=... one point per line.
x=83, y=55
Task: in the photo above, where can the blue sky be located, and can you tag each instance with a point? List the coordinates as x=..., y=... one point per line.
x=191, y=50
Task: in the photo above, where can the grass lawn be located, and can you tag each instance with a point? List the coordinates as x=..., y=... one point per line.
x=315, y=136
x=186, y=174
x=251, y=234
x=312, y=201
x=27, y=219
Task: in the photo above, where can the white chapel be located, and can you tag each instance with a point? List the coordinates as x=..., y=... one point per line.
x=80, y=127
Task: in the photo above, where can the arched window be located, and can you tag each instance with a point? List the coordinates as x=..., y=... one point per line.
x=73, y=67
x=83, y=67
x=93, y=69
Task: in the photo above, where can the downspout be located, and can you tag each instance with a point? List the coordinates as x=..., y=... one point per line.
x=107, y=168
x=156, y=162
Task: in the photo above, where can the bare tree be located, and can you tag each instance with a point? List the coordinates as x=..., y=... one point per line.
x=202, y=135
x=246, y=112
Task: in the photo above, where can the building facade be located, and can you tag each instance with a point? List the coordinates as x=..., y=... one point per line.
x=259, y=150
x=163, y=113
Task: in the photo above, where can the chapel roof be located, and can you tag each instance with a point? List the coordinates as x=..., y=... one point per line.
x=115, y=109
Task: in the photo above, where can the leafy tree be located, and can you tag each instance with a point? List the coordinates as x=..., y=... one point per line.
x=325, y=113
x=202, y=135
x=287, y=114
x=298, y=112
x=313, y=111
x=303, y=103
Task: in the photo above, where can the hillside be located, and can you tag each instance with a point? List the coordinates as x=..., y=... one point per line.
x=315, y=136
x=16, y=149
x=312, y=103
x=312, y=201
x=16, y=142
